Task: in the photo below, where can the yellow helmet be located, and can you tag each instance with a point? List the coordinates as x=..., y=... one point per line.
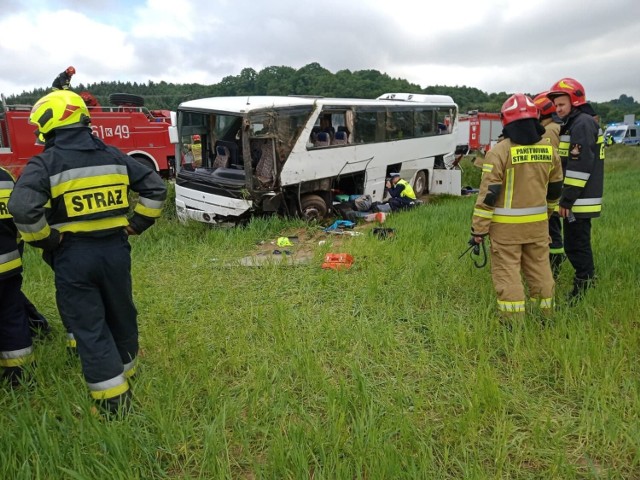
x=59, y=109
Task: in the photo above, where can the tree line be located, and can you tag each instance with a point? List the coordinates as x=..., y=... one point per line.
x=312, y=79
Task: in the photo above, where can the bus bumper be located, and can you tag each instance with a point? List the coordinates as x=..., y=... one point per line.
x=208, y=208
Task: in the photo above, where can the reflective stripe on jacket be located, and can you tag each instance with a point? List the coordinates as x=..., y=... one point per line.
x=516, y=192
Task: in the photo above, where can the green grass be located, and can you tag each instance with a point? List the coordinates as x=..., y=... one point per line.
x=396, y=368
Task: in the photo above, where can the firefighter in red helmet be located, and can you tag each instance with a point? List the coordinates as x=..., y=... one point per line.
x=520, y=187
x=63, y=80
x=551, y=123
x=582, y=154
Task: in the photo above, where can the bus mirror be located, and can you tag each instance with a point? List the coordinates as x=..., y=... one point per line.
x=173, y=134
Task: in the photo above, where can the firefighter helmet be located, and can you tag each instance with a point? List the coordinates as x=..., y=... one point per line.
x=70, y=70
x=570, y=87
x=59, y=109
x=544, y=103
x=518, y=107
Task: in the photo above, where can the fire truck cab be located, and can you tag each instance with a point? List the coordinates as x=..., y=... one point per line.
x=143, y=134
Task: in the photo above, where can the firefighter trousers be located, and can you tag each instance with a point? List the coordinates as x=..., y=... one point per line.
x=509, y=262
x=94, y=297
x=15, y=337
x=555, y=233
x=577, y=245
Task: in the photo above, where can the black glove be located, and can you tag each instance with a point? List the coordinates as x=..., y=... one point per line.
x=50, y=243
x=476, y=246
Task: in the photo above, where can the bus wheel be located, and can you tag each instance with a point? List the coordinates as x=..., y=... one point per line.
x=313, y=207
x=420, y=184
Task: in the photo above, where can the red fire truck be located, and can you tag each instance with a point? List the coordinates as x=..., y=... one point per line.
x=478, y=131
x=143, y=134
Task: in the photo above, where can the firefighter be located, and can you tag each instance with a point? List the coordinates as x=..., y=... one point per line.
x=582, y=153
x=551, y=123
x=83, y=231
x=520, y=187
x=400, y=191
x=63, y=80
x=16, y=348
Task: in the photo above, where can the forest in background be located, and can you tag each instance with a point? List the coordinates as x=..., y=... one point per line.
x=312, y=79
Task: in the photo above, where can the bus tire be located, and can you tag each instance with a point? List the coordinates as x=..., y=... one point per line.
x=313, y=207
x=420, y=183
x=126, y=99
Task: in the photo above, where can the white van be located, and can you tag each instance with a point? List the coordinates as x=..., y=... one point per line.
x=626, y=134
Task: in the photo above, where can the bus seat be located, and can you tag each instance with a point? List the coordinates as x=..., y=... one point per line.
x=265, y=169
x=222, y=157
x=314, y=134
x=340, y=138
x=323, y=139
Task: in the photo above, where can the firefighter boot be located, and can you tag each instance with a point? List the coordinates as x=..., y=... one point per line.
x=580, y=286
x=556, y=260
x=38, y=324
x=13, y=376
x=117, y=406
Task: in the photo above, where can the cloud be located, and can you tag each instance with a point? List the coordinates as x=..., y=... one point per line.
x=494, y=45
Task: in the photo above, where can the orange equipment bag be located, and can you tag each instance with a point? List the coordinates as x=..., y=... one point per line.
x=337, y=261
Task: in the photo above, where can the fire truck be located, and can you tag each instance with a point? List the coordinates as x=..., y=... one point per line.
x=141, y=133
x=477, y=131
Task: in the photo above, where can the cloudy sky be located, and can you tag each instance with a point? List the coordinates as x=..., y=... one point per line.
x=493, y=45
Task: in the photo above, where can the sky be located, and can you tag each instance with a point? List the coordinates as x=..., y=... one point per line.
x=494, y=45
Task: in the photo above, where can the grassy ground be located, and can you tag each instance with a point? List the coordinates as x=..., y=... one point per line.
x=396, y=368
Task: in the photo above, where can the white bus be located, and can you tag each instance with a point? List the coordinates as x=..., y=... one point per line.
x=293, y=155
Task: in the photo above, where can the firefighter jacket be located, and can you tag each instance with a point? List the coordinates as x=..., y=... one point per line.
x=402, y=189
x=551, y=130
x=582, y=153
x=62, y=81
x=10, y=260
x=80, y=185
x=519, y=189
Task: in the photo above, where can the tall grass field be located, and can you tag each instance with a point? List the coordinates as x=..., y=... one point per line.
x=397, y=368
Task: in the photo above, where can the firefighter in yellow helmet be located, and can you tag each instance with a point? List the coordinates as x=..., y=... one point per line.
x=72, y=201
x=520, y=187
x=551, y=123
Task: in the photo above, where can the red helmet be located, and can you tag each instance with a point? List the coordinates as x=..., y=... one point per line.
x=571, y=87
x=518, y=107
x=544, y=103
x=71, y=70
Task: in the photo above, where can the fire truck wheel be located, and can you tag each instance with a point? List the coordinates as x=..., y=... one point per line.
x=126, y=99
x=313, y=207
x=420, y=183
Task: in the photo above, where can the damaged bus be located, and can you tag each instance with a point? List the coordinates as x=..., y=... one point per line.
x=292, y=155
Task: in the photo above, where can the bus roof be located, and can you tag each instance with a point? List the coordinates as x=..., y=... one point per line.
x=244, y=104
